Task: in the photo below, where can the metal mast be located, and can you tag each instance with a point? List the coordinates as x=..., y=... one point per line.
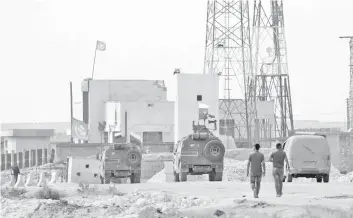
x=228, y=54
x=271, y=70
x=350, y=98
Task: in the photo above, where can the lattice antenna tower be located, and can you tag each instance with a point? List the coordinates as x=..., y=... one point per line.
x=228, y=54
x=271, y=68
x=350, y=98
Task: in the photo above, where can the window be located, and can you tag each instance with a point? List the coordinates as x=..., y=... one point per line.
x=78, y=174
x=199, y=97
x=150, y=105
x=87, y=165
x=95, y=175
x=152, y=137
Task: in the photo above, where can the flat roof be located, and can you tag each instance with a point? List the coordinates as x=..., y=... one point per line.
x=28, y=133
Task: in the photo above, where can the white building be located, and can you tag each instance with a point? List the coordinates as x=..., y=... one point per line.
x=146, y=120
x=18, y=140
x=191, y=90
x=97, y=92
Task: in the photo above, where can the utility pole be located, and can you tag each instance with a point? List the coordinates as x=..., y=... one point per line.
x=350, y=97
x=71, y=110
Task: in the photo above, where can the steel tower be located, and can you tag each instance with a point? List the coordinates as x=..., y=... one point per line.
x=228, y=54
x=271, y=80
x=350, y=98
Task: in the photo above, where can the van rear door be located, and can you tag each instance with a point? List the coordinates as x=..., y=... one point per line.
x=310, y=152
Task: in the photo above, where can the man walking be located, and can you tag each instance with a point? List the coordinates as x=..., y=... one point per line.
x=15, y=172
x=256, y=160
x=277, y=158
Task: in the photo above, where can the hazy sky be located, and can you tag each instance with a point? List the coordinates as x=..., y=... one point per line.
x=45, y=44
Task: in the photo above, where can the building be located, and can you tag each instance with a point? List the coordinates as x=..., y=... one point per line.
x=201, y=88
x=17, y=140
x=148, y=121
x=96, y=92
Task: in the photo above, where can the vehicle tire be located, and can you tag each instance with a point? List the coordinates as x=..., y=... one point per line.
x=214, y=150
x=102, y=179
x=106, y=180
x=319, y=179
x=133, y=157
x=211, y=177
x=284, y=178
x=289, y=178
x=176, y=177
x=182, y=175
x=326, y=178
x=218, y=176
x=135, y=178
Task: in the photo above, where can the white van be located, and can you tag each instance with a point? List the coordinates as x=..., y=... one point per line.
x=309, y=156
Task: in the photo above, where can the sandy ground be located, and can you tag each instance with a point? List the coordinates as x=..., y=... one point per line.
x=157, y=198
x=189, y=199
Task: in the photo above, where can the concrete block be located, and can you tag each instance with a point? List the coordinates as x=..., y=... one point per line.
x=169, y=177
x=168, y=166
x=12, y=182
x=30, y=179
x=42, y=181
x=54, y=177
x=20, y=181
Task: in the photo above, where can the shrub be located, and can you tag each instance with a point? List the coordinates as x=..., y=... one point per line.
x=48, y=193
x=12, y=192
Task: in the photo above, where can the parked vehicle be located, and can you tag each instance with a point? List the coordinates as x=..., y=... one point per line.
x=120, y=161
x=199, y=153
x=309, y=156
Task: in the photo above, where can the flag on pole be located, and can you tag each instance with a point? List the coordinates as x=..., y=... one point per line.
x=79, y=129
x=100, y=46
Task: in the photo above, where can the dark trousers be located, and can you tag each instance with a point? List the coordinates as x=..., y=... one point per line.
x=255, y=184
x=15, y=177
x=278, y=174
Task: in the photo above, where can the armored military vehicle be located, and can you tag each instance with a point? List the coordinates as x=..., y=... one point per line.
x=121, y=160
x=199, y=153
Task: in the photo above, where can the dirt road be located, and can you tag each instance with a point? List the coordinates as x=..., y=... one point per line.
x=190, y=199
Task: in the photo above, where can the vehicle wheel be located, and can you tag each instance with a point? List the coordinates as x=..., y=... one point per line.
x=284, y=178
x=214, y=150
x=290, y=178
x=211, y=177
x=182, y=175
x=102, y=179
x=319, y=179
x=106, y=180
x=133, y=157
x=218, y=176
x=135, y=178
x=326, y=178
x=176, y=177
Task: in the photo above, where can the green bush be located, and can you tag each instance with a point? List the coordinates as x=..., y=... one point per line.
x=48, y=193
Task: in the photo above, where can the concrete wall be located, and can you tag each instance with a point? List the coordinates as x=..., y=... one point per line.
x=186, y=105
x=84, y=170
x=19, y=143
x=62, y=151
x=119, y=90
x=159, y=117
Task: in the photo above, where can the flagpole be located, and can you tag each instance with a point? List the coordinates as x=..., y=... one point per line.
x=94, y=60
x=71, y=111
